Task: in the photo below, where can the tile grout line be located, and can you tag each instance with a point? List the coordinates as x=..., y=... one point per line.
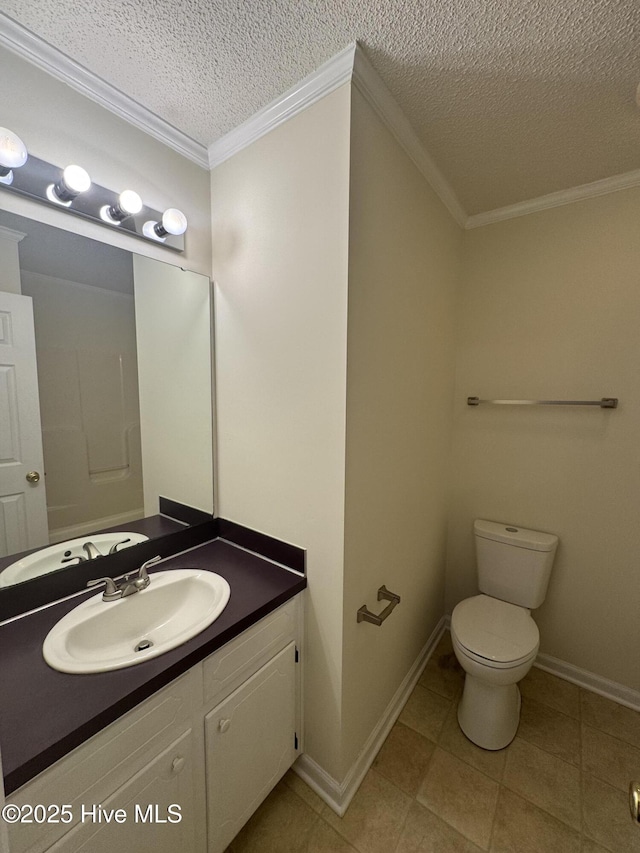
x=580, y=735
x=495, y=816
x=406, y=817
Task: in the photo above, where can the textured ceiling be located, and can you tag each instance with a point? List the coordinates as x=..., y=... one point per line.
x=513, y=99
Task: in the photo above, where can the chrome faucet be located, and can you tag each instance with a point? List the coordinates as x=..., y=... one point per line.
x=90, y=550
x=128, y=585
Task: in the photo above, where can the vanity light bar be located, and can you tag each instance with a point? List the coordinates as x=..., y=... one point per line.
x=71, y=189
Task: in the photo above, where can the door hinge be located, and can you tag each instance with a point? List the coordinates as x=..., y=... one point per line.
x=297, y=655
x=295, y=740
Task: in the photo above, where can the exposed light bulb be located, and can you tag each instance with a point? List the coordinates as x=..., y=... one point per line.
x=129, y=204
x=13, y=154
x=74, y=180
x=173, y=222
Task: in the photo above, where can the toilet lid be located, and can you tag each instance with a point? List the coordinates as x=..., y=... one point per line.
x=494, y=629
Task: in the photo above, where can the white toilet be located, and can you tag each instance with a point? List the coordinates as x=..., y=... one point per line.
x=494, y=636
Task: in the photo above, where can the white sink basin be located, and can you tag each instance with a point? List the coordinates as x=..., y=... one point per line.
x=98, y=635
x=50, y=559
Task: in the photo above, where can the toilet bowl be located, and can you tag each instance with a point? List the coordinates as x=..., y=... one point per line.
x=496, y=644
x=494, y=636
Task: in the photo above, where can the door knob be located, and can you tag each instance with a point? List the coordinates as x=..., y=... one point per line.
x=33, y=477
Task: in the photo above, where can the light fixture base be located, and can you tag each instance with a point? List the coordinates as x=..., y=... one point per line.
x=36, y=177
x=149, y=231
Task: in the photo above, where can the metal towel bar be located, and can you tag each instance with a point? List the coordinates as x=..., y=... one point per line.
x=365, y=615
x=604, y=403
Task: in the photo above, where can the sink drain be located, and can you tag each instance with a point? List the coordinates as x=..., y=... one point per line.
x=143, y=645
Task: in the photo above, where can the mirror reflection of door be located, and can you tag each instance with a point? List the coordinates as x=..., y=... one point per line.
x=23, y=505
x=83, y=308
x=88, y=377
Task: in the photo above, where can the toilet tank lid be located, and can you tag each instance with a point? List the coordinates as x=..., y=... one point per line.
x=510, y=534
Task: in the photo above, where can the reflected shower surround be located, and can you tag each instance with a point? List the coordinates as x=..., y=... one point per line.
x=73, y=190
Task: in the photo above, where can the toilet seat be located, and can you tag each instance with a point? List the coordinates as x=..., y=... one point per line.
x=494, y=632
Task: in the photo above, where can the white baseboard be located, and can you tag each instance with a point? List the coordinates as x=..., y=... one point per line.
x=61, y=534
x=590, y=681
x=338, y=795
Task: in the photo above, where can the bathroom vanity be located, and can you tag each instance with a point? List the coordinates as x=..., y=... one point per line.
x=173, y=753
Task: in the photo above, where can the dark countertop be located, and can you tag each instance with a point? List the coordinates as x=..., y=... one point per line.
x=44, y=714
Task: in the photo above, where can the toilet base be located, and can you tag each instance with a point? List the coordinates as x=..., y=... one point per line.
x=489, y=714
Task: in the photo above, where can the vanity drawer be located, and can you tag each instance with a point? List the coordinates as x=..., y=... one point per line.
x=235, y=662
x=95, y=769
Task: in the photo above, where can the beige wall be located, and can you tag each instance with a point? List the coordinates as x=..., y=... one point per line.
x=173, y=335
x=280, y=232
x=336, y=273
x=60, y=125
x=404, y=263
x=551, y=309
x=10, y=261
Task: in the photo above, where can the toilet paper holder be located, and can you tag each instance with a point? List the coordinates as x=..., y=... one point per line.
x=365, y=615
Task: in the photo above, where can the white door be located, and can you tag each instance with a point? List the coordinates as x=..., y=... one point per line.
x=23, y=503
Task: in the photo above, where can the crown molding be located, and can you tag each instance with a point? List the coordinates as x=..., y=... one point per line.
x=326, y=79
x=545, y=202
x=371, y=86
x=40, y=53
x=350, y=65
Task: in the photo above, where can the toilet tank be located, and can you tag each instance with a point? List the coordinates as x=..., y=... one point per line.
x=514, y=564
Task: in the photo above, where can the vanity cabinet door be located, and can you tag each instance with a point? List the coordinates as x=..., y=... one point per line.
x=105, y=763
x=159, y=809
x=250, y=744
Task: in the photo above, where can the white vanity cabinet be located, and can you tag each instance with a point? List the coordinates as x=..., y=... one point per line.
x=252, y=720
x=103, y=767
x=156, y=806
x=250, y=743
x=185, y=769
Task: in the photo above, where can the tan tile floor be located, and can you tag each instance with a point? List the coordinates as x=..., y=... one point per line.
x=560, y=787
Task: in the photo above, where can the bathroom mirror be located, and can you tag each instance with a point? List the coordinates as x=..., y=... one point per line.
x=121, y=399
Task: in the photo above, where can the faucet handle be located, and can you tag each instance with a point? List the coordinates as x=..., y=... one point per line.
x=110, y=591
x=140, y=578
x=151, y=562
x=114, y=548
